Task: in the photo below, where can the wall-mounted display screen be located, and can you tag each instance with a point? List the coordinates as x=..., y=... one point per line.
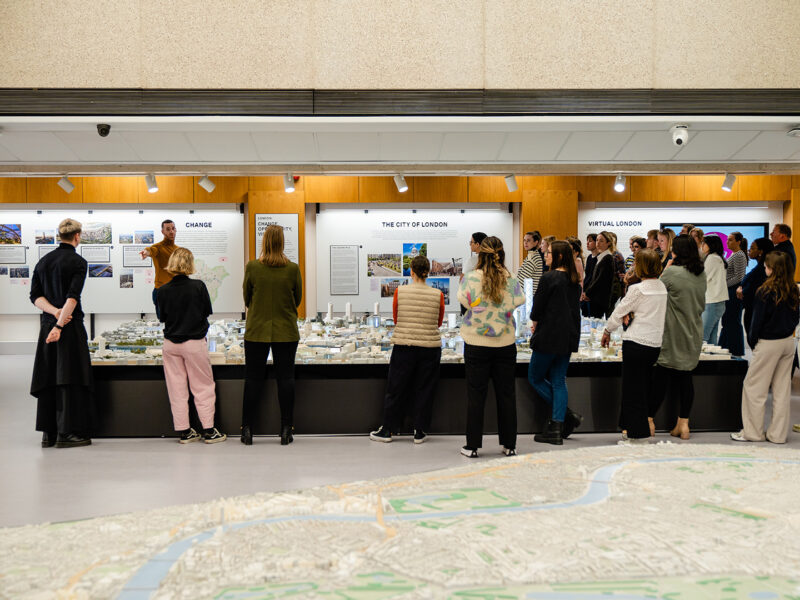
x=750, y=231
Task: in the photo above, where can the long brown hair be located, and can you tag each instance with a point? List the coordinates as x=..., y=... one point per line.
x=562, y=256
x=492, y=261
x=272, y=247
x=780, y=283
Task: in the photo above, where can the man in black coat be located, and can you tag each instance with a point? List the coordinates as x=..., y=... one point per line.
x=781, y=236
x=62, y=376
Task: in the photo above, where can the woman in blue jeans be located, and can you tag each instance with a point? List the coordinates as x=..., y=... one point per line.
x=556, y=325
x=716, y=287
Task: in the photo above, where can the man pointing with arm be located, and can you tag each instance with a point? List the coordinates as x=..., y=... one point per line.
x=160, y=254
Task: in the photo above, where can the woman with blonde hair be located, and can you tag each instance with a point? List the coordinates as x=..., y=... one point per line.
x=184, y=306
x=273, y=289
x=776, y=314
x=490, y=293
x=665, y=239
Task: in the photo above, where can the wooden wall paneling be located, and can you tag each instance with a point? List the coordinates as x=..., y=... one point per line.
x=708, y=188
x=279, y=202
x=171, y=190
x=551, y=212
x=13, y=190
x=45, y=189
x=600, y=188
x=326, y=189
x=122, y=190
x=439, y=189
x=547, y=182
x=492, y=189
x=229, y=189
x=791, y=216
x=379, y=190
x=656, y=188
x=795, y=181
x=273, y=183
x=764, y=187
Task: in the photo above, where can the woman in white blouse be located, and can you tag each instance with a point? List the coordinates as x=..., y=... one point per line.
x=716, y=288
x=641, y=313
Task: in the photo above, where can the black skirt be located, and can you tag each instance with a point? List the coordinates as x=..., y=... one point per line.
x=65, y=362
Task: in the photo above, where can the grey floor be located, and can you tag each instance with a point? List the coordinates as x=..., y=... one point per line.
x=120, y=475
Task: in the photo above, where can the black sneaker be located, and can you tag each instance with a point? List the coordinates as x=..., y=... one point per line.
x=509, y=451
x=420, y=436
x=49, y=439
x=212, y=436
x=188, y=436
x=383, y=434
x=469, y=452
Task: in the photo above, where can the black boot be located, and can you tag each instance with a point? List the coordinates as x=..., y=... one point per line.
x=286, y=435
x=571, y=422
x=247, y=436
x=49, y=439
x=552, y=434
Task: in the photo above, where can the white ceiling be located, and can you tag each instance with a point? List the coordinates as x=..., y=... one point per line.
x=40, y=145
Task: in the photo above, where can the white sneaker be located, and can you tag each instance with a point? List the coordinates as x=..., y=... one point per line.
x=469, y=452
x=738, y=436
x=509, y=451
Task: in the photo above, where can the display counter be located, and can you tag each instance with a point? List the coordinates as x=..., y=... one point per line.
x=132, y=401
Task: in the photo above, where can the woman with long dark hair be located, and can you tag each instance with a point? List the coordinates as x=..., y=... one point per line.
x=716, y=290
x=754, y=279
x=732, y=334
x=685, y=280
x=490, y=294
x=556, y=324
x=776, y=313
x=272, y=289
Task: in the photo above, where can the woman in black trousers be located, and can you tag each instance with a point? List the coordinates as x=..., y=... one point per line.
x=598, y=291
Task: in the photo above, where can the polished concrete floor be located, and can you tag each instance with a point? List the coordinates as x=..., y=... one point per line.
x=120, y=475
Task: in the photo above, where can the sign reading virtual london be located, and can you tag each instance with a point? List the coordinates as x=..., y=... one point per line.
x=290, y=239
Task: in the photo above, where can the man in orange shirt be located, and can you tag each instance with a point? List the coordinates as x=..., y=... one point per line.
x=160, y=254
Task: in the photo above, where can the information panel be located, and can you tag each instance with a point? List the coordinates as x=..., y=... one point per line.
x=368, y=253
x=119, y=281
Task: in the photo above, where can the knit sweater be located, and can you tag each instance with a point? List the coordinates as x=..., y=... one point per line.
x=531, y=268
x=487, y=323
x=737, y=265
x=419, y=314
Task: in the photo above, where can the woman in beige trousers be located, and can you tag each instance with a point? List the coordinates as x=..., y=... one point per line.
x=775, y=317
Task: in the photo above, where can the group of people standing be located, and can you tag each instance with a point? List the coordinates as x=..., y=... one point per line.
x=62, y=379
x=668, y=305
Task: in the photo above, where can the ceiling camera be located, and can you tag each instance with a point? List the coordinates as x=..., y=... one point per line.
x=680, y=134
x=103, y=129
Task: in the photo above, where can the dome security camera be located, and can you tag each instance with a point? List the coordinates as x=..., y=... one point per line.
x=680, y=134
x=103, y=129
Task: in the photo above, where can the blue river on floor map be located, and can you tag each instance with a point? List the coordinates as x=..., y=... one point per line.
x=147, y=579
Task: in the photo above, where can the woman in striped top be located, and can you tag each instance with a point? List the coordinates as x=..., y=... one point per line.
x=732, y=334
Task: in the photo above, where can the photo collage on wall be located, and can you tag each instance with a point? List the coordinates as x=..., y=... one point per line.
x=13, y=255
x=392, y=270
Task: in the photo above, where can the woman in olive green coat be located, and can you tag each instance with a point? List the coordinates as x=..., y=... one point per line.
x=685, y=281
x=272, y=290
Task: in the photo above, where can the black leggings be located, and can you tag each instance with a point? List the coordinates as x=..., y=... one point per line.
x=255, y=373
x=681, y=384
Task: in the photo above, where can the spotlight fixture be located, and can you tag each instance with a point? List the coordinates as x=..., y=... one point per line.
x=794, y=131
x=65, y=184
x=511, y=183
x=619, y=183
x=150, y=180
x=730, y=179
x=207, y=184
x=401, y=184
x=288, y=183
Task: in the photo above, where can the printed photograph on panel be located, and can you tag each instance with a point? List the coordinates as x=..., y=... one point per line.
x=96, y=233
x=143, y=237
x=3, y=270
x=442, y=284
x=19, y=272
x=410, y=252
x=450, y=267
x=126, y=279
x=125, y=238
x=383, y=265
x=45, y=236
x=99, y=270
x=10, y=233
x=388, y=286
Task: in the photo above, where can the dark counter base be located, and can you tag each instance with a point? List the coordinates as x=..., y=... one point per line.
x=132, y=401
